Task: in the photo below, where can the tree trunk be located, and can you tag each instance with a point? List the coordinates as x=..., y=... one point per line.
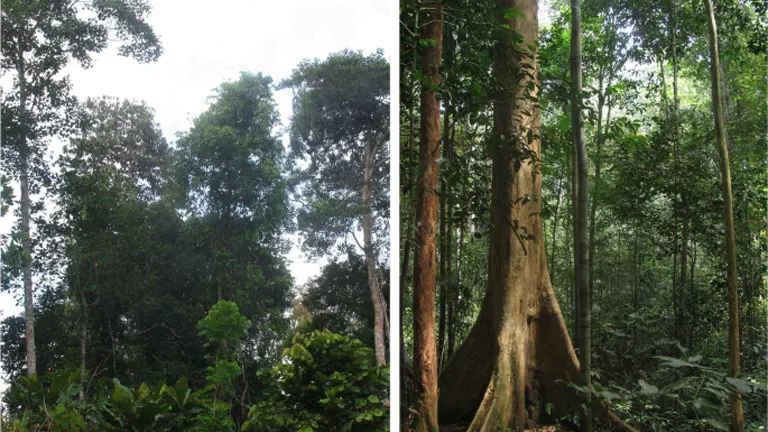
x=581, y=260
x=379, y=310
x=692, y=295
x=683, y=285
x=407, y=243
x=519, y=338
x=425, y=355
x=26, y=242
x=442, y=257
x=83, y=342
x=449, y=229
x=455, y=296
x=553, y=247
x=737, y=415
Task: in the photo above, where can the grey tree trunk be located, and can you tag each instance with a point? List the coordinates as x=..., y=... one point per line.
x=581, y=209
x=379, y=310
x=26, y=244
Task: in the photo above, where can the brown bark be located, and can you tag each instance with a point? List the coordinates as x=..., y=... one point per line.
x=425, y=355
x=734, y=367
x=379, y=309
x=519, y=334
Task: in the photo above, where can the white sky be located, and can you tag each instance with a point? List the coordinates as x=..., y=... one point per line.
x=207, y=43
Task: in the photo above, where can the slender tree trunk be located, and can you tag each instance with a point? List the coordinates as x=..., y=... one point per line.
x=580, y=213
x=694, y=307
x=379, y=309
x=425, y=355
x=83, y=342
x=26, y=242
x=449, y=229
x=635, y=265
x=553, y=247
x=678, y=295
x=443, y=264
x=683, y=285
x=664, y=97
x=598, y=172
x=455, y=296
x=409, y=222
x=737, y=415
x=575, y=205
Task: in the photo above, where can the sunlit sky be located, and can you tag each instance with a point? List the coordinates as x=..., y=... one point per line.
x=207, y=43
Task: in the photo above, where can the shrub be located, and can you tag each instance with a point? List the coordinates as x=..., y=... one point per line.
x=324, y=382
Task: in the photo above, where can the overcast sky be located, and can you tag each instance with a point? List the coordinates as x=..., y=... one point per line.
x=207, y=43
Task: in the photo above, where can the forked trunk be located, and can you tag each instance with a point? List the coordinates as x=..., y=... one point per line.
x=519, y=343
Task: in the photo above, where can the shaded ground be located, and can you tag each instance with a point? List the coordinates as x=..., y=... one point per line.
x=463, y=427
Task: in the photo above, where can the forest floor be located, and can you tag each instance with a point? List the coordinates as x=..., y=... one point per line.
x=463, y=427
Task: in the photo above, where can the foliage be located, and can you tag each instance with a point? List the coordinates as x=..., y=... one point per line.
x=340, y=106
x=325, y=382
x=339, y=299
x=223, y=326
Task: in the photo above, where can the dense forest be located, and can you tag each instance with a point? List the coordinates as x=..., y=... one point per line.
x=583, y=215
x=153, y=272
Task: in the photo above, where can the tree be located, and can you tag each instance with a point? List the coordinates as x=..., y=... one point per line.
x=39, y=38
x=737, y=416
x=325, y=382
x=109, y=172
x=230, y=167
x=338, y=299
x=580, y=212
x=425, y=354
x=340, y=126
x=519, y=322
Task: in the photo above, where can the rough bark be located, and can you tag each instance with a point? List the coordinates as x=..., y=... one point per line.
x=425, y=355
x=379, y=310
x=737, y=415
x=519, y=335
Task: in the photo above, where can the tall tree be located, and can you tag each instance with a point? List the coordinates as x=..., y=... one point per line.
x=232, y=169
x=340, y=126
x=109, y=172
x=519, y=322
x=580, y=216
x=425, y=354
x=734, y=367
x=39, y=38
